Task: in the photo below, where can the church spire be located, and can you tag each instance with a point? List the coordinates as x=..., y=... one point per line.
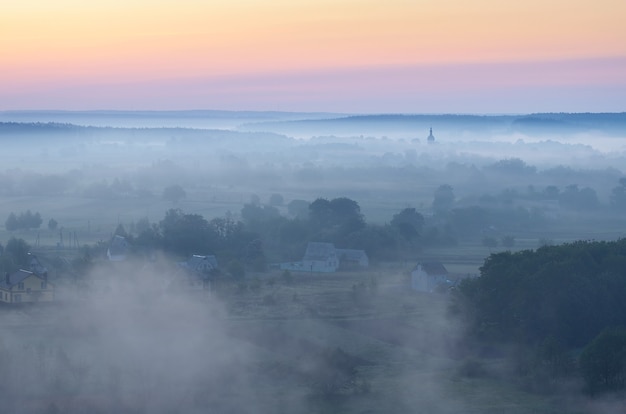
x=431, y=137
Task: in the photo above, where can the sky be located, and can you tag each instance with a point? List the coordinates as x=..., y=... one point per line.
x=365, y=56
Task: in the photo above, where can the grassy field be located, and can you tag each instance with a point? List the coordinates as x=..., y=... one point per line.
x=407, y=344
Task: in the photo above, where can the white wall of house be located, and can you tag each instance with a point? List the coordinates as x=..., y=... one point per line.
x=325, y=266
x=421, y=281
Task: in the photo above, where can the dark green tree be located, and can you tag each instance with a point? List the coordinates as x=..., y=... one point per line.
x=52, y=224
x=185, y=234
x=11, y=224
x=408, y=222
x=571, y=292
x=320, y=213
x=18, y=249
x=603, y=361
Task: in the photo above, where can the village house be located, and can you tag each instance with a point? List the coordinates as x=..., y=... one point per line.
x=352, y=258
x=200, y=264
x=195, y=274
x=25, y=286
x=322, y=257
x=429, y=276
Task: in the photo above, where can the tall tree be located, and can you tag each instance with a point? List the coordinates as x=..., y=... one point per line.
x=408, y=222
x=11, y=224
x=603, y=361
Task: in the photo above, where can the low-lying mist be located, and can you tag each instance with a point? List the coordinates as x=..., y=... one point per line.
x=126, y=340
x=132, y=337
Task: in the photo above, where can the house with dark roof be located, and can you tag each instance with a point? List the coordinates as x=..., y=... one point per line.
x=429, y=276
x=200, y=264
x=195, y=275
x=35, y=266
x=25, y=286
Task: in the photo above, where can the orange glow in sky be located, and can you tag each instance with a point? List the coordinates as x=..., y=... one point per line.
x=50, y=48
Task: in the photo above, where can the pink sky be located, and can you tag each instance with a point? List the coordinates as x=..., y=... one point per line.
x=410, y=56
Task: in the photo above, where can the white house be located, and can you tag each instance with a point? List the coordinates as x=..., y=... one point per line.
x=428, y=276
x=320, y=257
x=325, y=258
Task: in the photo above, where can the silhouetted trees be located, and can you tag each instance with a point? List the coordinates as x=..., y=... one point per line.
x=603, y=361
x=408, y=222
x=52, y=224
x=15, y=255
x=26, y=221
x=578, y=199
x=184, y=234
x=572, y=292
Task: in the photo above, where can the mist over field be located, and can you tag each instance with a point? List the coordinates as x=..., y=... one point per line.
x=488, y=196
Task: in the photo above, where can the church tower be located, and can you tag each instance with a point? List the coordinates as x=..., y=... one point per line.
x=431, y=137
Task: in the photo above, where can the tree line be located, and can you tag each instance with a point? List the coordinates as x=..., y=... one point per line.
x=25, y=220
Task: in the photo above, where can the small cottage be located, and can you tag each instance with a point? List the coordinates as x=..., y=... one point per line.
x=325, y=258
x=201, y=264
x=429, y=276
x=320, y=257
x=25, y=286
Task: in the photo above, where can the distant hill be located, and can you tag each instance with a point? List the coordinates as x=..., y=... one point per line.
x=418, y=125
x=202, y=119
x=196, y=123
x=40, y=131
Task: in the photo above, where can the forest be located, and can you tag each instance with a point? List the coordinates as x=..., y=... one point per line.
x=554, y=302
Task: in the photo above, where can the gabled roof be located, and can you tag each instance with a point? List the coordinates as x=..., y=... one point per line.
x=319, y=251
x=36, y=266
x=196, y=261
x=15, y=278
x=433, y=268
